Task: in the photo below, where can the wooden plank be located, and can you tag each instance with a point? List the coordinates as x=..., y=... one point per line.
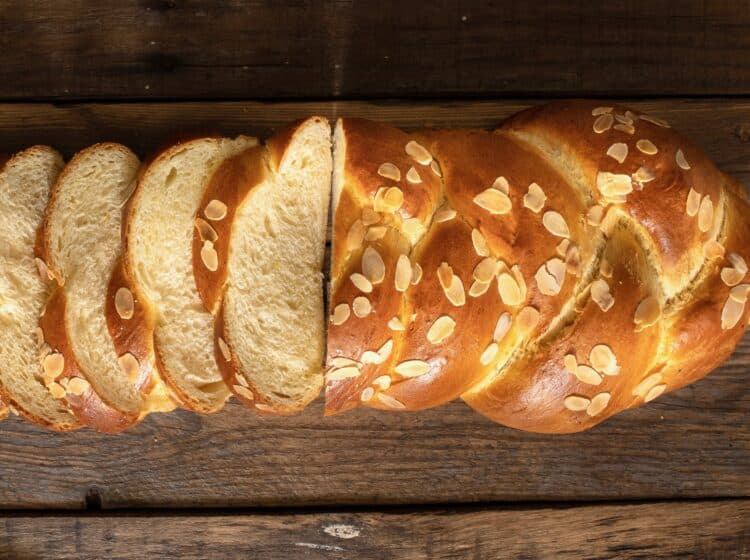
x=157, y=49
x=694, y=443
x=714, y=529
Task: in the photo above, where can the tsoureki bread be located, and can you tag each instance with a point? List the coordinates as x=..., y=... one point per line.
x=580, y=260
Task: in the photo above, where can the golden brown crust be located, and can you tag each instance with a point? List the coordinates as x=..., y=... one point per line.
x=641, y=295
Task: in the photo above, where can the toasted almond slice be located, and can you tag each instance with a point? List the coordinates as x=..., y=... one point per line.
x=244, y=392
x=693, y=202
x=705, y=214
x=562, y=247
x=382, y=382
x=679, y=157
x=445, y=214
x=346, y=372
x=626, y=128
x=355, y=236
x=643, y=175
x=731, y=313
x=655, y=392
x=713, y=249
x=412, y=368
x=527, y=320
x=573, y=260
x=370, y=357
x=480, y=243
x=489, y=353
x=647, y=147
x=373, y=266
x=361, y=282
x=738, y=262
x=502, y=326
x=603, y=123
x=391, y=402
x=654, y=120
x=369, y=216
x=56, y=390
x=576, y=403
x=389, y=171
x=375, y=233
x=418, y=153
x=740, y=293
x=605, y=268
x=624, y=118
x=594, y=215
x=603, y=360
x=340, y=314
x=42, y=269
x=224, y=349
x=478, y=288
x=601, y=111
x=518, y=277
x=618, y=151
x=557, y=268
x=509, y=290
x=613, y=184
x=393, y=199
x=600, y=294
x=494, y=201
x=215, y=210
x=647, y=384
x=436, y=168
x=445, y=275
x=130, y=366
x=380, y=355
x=77, y=386
x=441, y=329
x=502, y=185
x=731, y=276
x=647, y=313
x=416, y=274
x=598, y=404
x=413, y=176
x=209, y=256
x=403, y=274
x=124, y=303
x=53, y=365
x=341, y=361
x=570, y=363
x=555, y=224
x=534, y=198
x=485, y=269
x=588, y=375
x=546, y=282
x=367, y=394
x=455, y=293
x=39, y=337
x=240, y=379
x=206, y=230
x=395, y=324
x=361, y=307
x=413, y=229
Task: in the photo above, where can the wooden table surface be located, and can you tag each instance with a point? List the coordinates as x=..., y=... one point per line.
x=668, y=480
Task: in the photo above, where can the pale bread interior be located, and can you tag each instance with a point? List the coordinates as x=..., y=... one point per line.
x=25, y=184
x=273, y=307
x=83, y=231
x=160, y=233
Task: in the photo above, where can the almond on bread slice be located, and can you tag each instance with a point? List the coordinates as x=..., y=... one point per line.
x=258, y=252
x=27, y=366
x=161, y=217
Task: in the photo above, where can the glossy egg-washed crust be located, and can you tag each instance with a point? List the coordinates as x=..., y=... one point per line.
x=645, y=247
x=231, y=184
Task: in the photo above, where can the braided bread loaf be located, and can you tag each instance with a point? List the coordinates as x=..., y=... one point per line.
x=578, y=261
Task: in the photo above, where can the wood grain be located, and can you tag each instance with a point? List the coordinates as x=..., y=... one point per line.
x=694, y=443
x=718, y=529
x=157, y=49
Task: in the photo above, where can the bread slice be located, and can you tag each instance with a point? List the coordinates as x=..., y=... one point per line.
x=25, y=184
x=269, y=250
x=83, y=248
x=159, y=259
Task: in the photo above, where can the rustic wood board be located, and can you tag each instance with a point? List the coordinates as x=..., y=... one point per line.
x=713, y=529
x=694, y=443
x=166, y=49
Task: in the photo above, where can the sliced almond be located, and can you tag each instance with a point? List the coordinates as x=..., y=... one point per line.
x=598, y=404
x=77, y=386
x=215, y=210
x=679, y=157
x=654, y=120
x=444, y=214
x=445, y=275
x=643, y=175
x=485, y=269
x=382, y=382
x=518, y=277
x=53, y=365
x=413, y=176
x=243, y=391
x=340, y=314
x=361, y=307
x=594, y=215
x=555, y=224
x=740, y=293
x=393, y=199
x=603, y=360
x=124, y=303
x=605, y=268
x=655, y=392
x=395, y=324
x=647, y=147
x=478, y=288
x=369, y=216
x=731, y=276
x=389, y=171
x=378, y=356
x=576, y=403
x=626, y=128
x=570, y=363
x=403, y=274
x=480, y=243
x=391, y=402
x=693, y=202
x=418, y=153
x=573, y=260
x=618, y=151
x=413, y=229
x=412, y=368
x=375, y=233
x=494, y=201
x=624, y=118
x=206, y=230
x=455, y=292
x=603, y=123
x=361, y=282
x=341, y=361
x=731, y=313
x=527, y=320
x=588, y=375
x=373, y=266
x=642, y=389
x=562, y=247
x=647, y=313
x=367, y=394
x=601, y=296
x=738, y=262
x=56, y=390
x=355, y=236
x=613, y=184
x=130, y=366
x=346, y=372
x=534, y=198
x=601, y=111
x=489, y=353
x=705, y=214
x=441, y=329
x=546, y=283
x=502, y=326
x=416, y=274
x=508, y=289
x=209, y=256
x=436, y=168
x=224, y=349
x=713, y=249
x=501, y=184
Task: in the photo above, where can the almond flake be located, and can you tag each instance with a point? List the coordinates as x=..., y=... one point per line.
x=361, y=282
x=455, y=292
x=647, y=147
x=53, y=365
x=731, y=313
x=382, y=382
x=587, y=375
x=613, y=184
x=573, y=260
x=603, y=360
x=395, y=324
x=494, y=201
x=445, y=275
x=654, y=120
x=340, y=314
x=509, y=290
x=624, y=119
x=130, y=366
x=441, y=329
x=209, y=256
x=206, y=230
x=416, y=274
x=601, y=296
x=489, y=353
x=679, y=157
x=605, y=268
x=355, y=236
x=647, y=313
x=444, y=214
x=594, y=215
x=346, y=372
x=555, y=224
x=643, y=175
x=478, y=288
x=369, y=216
x=738, y=262
x=693, y=203
x=224, y=349
x=485, y=269
x=77, y=386
x=576, y=403
x=731, y=276
x=379, y=356
x=562, y=247
x=527, y=320
x=124, y=303
x=502, y=185
x=654, y=393
x=601, y=111
x=389, y=171
x=412, y=368
x=391, y=402
x=393, y=198
x=713, y=250
x=705, y=214
x=570, y=363
x=215, y=210
x=502, y=327
x=535, y=198
x=373, y=266
x=367, y=394
x=647, y=384
x=361, y=307
x=436, y=168
x=480, y=243
x=598, y=404
x=341, y=361
x=243, y=392
x=375, y=233
x=413, y=176
x=626, y=128
x=546, y=282
x=518, y=277
x=740, y=293
x=403, y=274
x=56, y=390
x=618, y=152
x=418, y=153
x=603, y=123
